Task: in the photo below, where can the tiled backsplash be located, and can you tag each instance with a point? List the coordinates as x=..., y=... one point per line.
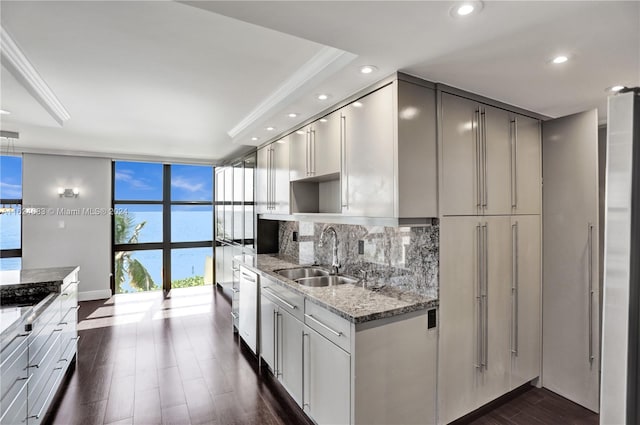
x=405, y=257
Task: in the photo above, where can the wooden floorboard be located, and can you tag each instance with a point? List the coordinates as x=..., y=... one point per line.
x=146, y=360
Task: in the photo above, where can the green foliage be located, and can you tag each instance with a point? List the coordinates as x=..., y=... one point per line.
x=188, y=282
x=125, y=265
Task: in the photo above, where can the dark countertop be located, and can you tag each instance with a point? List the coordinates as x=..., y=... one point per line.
x=352, y=302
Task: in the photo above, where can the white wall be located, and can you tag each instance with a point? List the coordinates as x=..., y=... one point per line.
x=56, y=239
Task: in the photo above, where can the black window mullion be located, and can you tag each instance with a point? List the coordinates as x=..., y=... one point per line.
x=166, y=228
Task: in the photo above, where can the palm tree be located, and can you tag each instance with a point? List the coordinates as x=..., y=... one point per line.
x=126, y=233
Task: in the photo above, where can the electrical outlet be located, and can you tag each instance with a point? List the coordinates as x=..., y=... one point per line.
x=294, y=236
x=360, y=247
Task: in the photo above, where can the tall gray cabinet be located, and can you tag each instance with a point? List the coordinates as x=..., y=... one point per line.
x=490, y=253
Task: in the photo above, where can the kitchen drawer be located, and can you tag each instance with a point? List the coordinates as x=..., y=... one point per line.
x=69, y=296
x=330, y=325
x=14, y=405
x=15, y=358
x=40, y=367
x=69, y=317
x=68, y=347
x=285, y=298
x=39, y=403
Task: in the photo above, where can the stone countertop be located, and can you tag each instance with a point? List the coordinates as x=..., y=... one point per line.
x=17, y=278
x=352, y=302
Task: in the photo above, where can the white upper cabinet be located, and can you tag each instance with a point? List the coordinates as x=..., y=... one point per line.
x=490, y=160
x=272, y=178
x=315, y=149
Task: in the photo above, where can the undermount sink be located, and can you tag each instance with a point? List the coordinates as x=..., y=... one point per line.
x=326, y=280
x=302, y=273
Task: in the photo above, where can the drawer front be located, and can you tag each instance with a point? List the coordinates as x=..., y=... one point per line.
x=39, y=403
x=41, y=367
x=69, y=297
x=13, y=408
x=330, y=325
x=285, y=298
x=13, y=369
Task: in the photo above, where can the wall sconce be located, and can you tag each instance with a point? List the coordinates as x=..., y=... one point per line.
x=68, y=193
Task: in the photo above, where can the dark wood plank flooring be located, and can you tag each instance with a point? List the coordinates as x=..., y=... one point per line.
x=147, y=360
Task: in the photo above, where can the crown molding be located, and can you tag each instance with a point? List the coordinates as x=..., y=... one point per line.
x=324, y=63
x=15, y=61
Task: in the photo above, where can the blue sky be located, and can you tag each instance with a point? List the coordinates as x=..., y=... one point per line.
x=143, y=181
x=10, y=177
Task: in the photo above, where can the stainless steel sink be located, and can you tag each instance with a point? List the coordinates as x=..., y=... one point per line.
x=302, y=272
x=326, y=280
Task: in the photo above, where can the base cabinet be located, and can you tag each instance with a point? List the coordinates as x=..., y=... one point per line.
x=326, y=380
x=248, y=308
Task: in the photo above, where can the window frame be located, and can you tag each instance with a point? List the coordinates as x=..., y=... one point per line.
x=15, y=252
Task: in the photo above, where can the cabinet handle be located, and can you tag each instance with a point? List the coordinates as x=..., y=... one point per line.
x=306, y=152
x=7, y=358
x=590, y=277
x=273, y=179
x=234, y=315
x=478, y=159
x=249, y=277
x=344, y=175
x=75, y=339
x=22, y=388
x=486, y=297
x=479, y=327
x=275, y=342
x=336, y=333
x=270, y=291
x=235, y=290
x=46, y=354
x=514, y=162
x=304, y=370
x=46, y=400
x=313, y=152
x=514, y=288
x=484, y=158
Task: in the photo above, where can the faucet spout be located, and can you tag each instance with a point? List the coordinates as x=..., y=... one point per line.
x=335, y=264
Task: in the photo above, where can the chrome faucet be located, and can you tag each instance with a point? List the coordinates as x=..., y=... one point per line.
x=335, y=265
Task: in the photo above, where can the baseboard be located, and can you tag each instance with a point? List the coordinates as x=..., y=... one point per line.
x=102, y=294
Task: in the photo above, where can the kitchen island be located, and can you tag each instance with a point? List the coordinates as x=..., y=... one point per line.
x=38, y=339
x=345, y=353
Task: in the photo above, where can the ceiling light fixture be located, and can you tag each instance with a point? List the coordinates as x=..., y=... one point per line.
x=323, y=96
x=293, y=115
x=615, y=88
x=3, y=112
x=560, y=59
x=300, y=132
x=323, y=120
x=466, y=8
x=270, y=128
x=254, y=138
x=357, y=104
x=368, y=69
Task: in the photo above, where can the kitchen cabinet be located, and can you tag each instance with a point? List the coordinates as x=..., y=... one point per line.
x=489, y=309
x=389, y=153
x=273, y=178
x=315, y=149
x=326, y=396
x=14, y=377
x=248, y=308
x=490, y=161
x=571, y=300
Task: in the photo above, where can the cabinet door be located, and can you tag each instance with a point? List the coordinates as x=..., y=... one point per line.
x=280, y=168
x=327, y=380
x=571, y=342
x=228, y=203
x=248, y=207
x=527, y=170
x=290, y=358
x=248, y=325
x=325, y=145
x=219, y=254
x=219, y=204
x=262, y=180
x=459, y=372
x=525, y=302
x=299, y=154
x=268, y=338
x=461, y=159
x=368, y=163
x=497, y=161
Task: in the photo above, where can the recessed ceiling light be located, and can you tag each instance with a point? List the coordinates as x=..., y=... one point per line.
x=357, y=104
x=367, y=69
x=323, y=120
x=293, y=115
x=270, y=128
x=465, y=8
x=615, y=88
x=3, y=112
x=255, y=138
x=300, y=132
x=560, y=59
x=323, y=96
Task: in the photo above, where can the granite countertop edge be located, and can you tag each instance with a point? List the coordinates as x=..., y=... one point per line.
x=277, y=262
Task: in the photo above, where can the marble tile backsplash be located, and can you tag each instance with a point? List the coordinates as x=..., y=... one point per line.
x=404, y=257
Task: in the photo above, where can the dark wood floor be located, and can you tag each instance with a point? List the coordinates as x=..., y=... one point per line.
x=145, y=360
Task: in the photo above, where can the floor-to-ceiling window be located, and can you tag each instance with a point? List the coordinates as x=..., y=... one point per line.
x=10, y=212
x=162, y=226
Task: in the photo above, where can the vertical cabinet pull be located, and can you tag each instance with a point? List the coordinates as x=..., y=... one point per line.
x=313, y=152
x=269, y=178
x=304, y=371
x=273, y=179
x=478, y=158
x=479, y=326
x=484, y=158
x=590, y=284
x=307, y=155
x=514, y=161
x=275, y=342
x=485, y=296
x=514, y=288
x=344, y=174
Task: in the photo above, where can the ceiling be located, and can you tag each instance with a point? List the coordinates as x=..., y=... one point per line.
x=195, y=81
